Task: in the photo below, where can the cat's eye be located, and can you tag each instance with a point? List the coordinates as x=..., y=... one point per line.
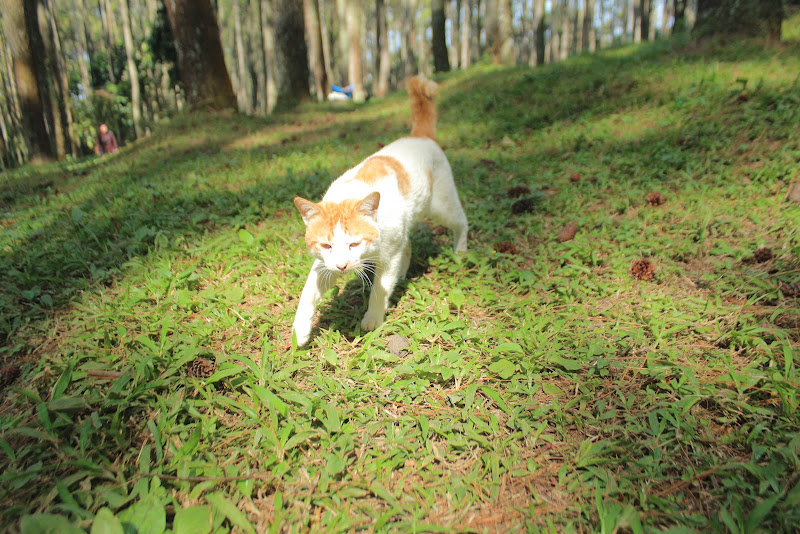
x=354, y=245
x=326, y=246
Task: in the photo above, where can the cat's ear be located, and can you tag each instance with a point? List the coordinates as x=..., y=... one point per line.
x=308, y=210
x=369, y=205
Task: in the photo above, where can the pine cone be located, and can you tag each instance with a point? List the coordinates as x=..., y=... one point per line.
x=504, y=247
x=762, y=254
x=9, y=374
x=643, y=269
x=202, y=367
x=567, y=233
x=790, y=290
x=518, y=191
x=655, y=199
x=522, y=206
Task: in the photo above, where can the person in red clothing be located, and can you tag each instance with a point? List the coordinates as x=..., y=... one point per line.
x=106, y=141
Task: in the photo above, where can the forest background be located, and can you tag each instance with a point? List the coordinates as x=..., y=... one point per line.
x=115, y=61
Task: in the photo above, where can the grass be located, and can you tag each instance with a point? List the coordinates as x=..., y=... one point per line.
x=542, y=389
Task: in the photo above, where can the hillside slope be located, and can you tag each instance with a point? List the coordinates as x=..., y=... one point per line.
x=640, y=374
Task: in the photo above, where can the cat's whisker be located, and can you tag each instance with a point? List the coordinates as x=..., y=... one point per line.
x=365, y=281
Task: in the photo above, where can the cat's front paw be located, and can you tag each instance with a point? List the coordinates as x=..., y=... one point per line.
x=302, y=333
x=371, y=322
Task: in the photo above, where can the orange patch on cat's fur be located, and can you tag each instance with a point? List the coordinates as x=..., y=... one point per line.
x=345, y=213
x=378, y=167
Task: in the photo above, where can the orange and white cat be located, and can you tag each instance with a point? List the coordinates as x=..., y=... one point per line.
x=363, y=222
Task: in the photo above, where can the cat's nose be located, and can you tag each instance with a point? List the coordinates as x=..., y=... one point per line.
x=341, y=266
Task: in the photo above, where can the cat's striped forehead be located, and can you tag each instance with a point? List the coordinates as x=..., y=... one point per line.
x=343, y=215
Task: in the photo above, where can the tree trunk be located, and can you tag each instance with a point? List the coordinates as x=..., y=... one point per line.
x=342, y=58
x=644, y=22
x=466, y=26
x=630, y=21
x=5, y=156
x=253, y=47
x=262, y=56
x=408, y=33
x=565, y=36
x=107, y=20
x=422, y=51
x=477, y=28
x=200, y=59
x=327, y=53
x=82, y=48
x=589, y=35
x=555, y=32
x=666, y=15
x=268, y=37
x=578, y=32
x=291, y=57
x=133, y=71
x=241, y=64
x=354, y=64
x=680, y=16
x=746, y=18
x=441, y=63
x=30, y=75
x=494, y=41
x=455, y=33
x=384, y=60
x=315, y=52
x=538, y=51
x=58, y=90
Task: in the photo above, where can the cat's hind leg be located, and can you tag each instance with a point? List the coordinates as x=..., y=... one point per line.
x=446, y=208
x=319, y=281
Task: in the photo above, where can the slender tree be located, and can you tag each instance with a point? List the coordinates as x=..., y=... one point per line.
x=441, y=62
x=200, y=58
x=133, y=70
x=494, y=40
x=589, y=35
x=453, y=13
x=680, y=16
x=109, y=31
x=58, y=118
x=65, y=106
x=354, y=64
x=316, y=57
x=539, y=28
x=565, y=31
x=408, y=37
x=241, y=61
x=644, y=23
x=466, y=26
x=291, y=56
x=384, y=59
x=81, y=42
x=30, y=75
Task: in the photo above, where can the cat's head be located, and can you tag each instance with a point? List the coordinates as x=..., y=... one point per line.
x=341, y=234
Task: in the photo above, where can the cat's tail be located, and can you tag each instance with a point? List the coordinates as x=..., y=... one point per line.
x=423, y=111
